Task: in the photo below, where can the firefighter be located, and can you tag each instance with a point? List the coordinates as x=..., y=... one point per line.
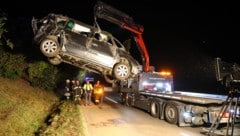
x=98, y=91
x=87, y=87
x=77, y=91
x=73, y=85
x=67, y=89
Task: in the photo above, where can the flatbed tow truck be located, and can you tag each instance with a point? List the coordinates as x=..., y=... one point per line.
x=153, y=91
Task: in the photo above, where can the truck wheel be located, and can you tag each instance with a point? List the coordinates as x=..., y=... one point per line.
x=171, y=113
x=154, y=109
x=49, y=46
x=121, y=71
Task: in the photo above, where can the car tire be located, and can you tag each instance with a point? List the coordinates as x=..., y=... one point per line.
x=55, y=60
x=171, y=113
x=121, y=71
x=49, y=46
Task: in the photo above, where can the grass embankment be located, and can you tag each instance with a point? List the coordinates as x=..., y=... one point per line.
x=24, y=110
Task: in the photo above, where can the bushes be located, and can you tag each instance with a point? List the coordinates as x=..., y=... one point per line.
x=43, y=75
x=13, y=65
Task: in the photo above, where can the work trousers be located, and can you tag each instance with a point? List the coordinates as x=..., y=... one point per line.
x=88, y=96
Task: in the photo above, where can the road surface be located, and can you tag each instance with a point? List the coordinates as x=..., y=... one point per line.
x=115, y=119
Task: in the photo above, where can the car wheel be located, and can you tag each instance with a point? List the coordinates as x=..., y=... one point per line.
x=121, y=71
x=49, y=46
x=55, y=60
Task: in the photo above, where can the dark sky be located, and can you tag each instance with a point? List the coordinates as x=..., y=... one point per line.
x=177, y=33
x=169, y=26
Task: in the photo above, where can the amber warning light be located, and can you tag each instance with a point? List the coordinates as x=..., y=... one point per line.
x=165, y=73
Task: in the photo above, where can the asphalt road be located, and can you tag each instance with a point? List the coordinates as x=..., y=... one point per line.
x=115, y=119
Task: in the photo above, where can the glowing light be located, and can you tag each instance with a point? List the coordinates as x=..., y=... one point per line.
x=159, y=84
x=155, y=88
x=168, y=87
x=224, y=115
x=186, y=114
x=165, y=73
x=144, y=83
x=99, y=91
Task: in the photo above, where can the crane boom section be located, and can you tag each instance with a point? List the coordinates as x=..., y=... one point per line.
x=106, y=12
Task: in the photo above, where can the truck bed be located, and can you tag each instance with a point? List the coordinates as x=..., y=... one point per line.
x=198, y=98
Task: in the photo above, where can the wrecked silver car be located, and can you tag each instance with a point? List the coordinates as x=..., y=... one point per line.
x=63, y=39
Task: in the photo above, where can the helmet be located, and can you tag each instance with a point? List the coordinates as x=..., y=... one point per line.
x=98, y=82
x=73, y=81
x=67, y=81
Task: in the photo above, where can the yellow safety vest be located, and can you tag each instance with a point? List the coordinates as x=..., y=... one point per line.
x=87, y=87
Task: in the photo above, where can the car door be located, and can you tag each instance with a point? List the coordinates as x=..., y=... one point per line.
x=75, y=44
x=102, y=52
x=76, y=41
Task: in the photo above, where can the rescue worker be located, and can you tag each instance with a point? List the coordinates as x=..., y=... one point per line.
x=87, y=87
x=77, y=91
x=67, y=89
x=73, y=85
x=98, y=89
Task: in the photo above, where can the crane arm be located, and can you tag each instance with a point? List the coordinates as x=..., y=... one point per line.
x=104, y=11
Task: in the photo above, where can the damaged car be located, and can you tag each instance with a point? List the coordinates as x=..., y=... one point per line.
x=63, y=39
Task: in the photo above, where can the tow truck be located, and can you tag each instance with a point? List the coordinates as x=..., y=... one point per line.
x=153, y=91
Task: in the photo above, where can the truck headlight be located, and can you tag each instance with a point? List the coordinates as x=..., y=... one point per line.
x=168, y=87
x=160, y=85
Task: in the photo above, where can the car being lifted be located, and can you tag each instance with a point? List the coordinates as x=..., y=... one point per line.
x=63, y=39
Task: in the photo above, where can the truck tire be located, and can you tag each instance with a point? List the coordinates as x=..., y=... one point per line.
x=49, y=46
x=171, y=113
x=154, y=109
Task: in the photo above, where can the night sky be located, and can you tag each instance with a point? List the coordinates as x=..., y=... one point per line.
x=179, y=35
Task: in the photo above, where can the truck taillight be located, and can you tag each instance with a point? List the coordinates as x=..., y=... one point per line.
x=224, y=115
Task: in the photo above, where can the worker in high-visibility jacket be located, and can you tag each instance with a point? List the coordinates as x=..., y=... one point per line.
x=98, y=92
x=87, y=87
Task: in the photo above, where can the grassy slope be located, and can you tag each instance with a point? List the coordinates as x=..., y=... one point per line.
x=24, y=109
